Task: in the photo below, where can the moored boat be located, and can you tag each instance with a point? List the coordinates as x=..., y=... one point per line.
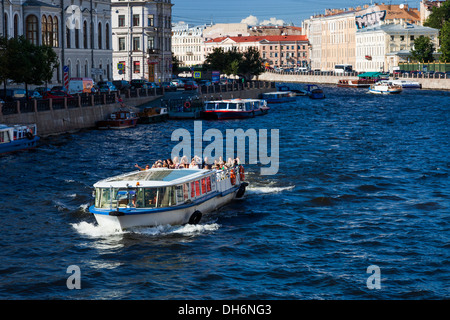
x=152, y=115
x=234, y=109
x=385, y=87
x=407, y=83
x=279, y=96
x=161, y=196
x=121, y=119
x=314, y=91
x=355, y=83
x=18, y=137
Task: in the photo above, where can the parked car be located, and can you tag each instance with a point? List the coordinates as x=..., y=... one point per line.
x=138, y=83
x=151, y=85
x=178, y=82
x=439, y=75
x=58, y=88
x=190, y=85
x=168, y=86
x=205, y=83
x=56, y=95
x=12, y=94
x=41, y=90
x=34, y=95
x=106, y=86
x=122, y=84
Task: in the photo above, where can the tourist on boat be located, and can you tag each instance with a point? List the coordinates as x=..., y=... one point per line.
x=142, y=169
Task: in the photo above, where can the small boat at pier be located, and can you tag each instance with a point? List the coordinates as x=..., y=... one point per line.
x=279, y=96
x=161, y=196
x=234, y=109
x=356, y=83
x=385, y=87
x=152, y=115
x=18, y=137
x=121, y=119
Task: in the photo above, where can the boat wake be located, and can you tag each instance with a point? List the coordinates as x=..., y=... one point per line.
x=95, y=231
x=261, y=190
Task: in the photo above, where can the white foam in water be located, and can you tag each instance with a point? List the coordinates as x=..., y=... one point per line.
x=258, y=190
x=94, y=230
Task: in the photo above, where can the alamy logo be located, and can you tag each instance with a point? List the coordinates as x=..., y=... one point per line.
x=73, y=17
x=374, y=281
x=257, y=142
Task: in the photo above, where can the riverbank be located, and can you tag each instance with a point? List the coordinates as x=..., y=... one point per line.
x=427, y=83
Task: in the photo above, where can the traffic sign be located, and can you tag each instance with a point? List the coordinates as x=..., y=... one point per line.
x=66, y=69
x=120, y=66
x=197, y=74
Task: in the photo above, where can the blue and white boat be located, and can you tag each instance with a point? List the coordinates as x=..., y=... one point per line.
x=279, y=96
x=161, y=196
x=234, y=109
x=17, y=137
x=314, y=91
x=385, y=87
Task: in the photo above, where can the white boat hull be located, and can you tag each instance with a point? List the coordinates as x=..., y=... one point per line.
x=173, y=216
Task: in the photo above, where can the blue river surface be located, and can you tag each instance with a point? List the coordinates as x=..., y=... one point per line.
x=363, y=182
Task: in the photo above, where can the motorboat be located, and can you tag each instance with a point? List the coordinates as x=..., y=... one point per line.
x=161, y=196
x=121, y=119
x=17, y=137
x=234, y=109
x=385, y=87
x=314, y=91
x=151, y=115
x=407, y=83
x=279, y=96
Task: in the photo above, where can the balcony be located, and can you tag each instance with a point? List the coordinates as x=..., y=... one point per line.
x=153, y=51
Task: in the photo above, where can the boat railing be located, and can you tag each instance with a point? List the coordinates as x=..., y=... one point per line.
x=223, y=178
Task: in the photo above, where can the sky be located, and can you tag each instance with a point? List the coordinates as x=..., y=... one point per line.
x=199, y=12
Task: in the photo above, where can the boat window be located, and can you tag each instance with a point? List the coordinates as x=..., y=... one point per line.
x=203, y=186
x=197, y=188
x=180, y=194
x=208, y=184
x=192, y=189
x=233, y=106
x=165, y=197
x=222, y=105
x=186, y=191
x=104, y=197
x=210, y=106
x=149, y=197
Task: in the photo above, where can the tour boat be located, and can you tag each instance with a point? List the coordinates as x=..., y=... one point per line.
x=234, y=109
x=161, y=196
x=121, y=119
x=279, y=96
x=314, y=91
x=385, y=87
x=407, y=83
x=17, y=137
x=355, y=83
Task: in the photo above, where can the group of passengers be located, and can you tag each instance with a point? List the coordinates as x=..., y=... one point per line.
x=195, y=163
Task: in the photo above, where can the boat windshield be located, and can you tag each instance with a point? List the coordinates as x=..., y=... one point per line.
x=210, y=106
x=135, y=198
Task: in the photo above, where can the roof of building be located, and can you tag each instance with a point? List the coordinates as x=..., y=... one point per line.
x=261, y=38
x=397, y=27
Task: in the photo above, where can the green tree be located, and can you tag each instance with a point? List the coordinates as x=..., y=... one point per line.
x=445, y=41
x=252, y=64
x=175, y=64
x=423, y=49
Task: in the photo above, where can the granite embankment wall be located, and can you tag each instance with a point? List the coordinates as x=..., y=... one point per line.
x=83, y=112
x=427, y=83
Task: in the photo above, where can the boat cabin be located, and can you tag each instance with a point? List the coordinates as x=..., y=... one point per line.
x=156, y=188
x=16, y=132
x=235, y=105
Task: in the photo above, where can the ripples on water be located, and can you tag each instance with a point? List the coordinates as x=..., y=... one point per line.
x=363, y=180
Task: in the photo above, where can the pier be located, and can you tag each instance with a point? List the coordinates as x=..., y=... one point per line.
x=83, y=111
x=332, y=78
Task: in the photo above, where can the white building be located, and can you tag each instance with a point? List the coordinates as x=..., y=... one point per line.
x=141, y=37
x=381, y=47
x=187, y=44
x=79, y=32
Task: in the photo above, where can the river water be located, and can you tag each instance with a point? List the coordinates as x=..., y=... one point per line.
x=363, y=182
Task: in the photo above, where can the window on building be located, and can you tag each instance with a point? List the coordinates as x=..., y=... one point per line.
x=100, y=36
x=55, y=32
x=136, y=44
x=77, y=38
x=135, y=20
x=107, y=45
x=121, y=20
x=150, y=20
x=402, y=38
x=31, y=29
x=68, y=38
x=411, y=38
x=44, y=30
x=122, y=44
x=136, y=66
x=85, y=35
x=151, y=42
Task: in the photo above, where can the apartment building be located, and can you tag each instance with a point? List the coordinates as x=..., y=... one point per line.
x=79, y=32
x=141, y=39
x=283, y=50
x=187, y=44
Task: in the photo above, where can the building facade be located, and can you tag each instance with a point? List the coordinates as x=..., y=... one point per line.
x=187, y=44
x=141, y=37
x=333, y=35
x=276, y=51
x=79, y=32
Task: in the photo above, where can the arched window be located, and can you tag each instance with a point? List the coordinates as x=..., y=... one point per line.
x=16, y=26
x=50, y=30
x=31, y=29
x=44, y=32
x=6, y=25
x=68, y=37
x=99, y=35
x=55, y=32
x=107, y=37
x=85, y=35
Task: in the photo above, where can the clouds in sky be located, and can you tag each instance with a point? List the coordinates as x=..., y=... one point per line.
x=254, y=21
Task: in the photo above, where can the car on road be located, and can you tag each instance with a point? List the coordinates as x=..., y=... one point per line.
x=178, y=82
x=121, y=84
x=106, y=87
x=56, y=95
x=168, y=86
x=190, y=85
x=138, y=83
